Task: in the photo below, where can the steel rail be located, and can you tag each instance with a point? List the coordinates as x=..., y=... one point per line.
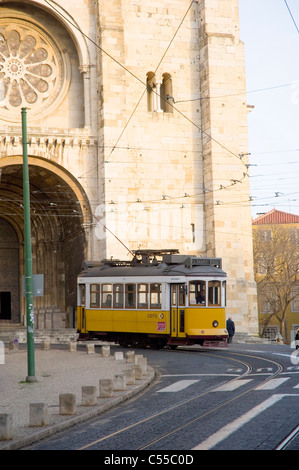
x=279, y=370
x=288, y=439
x=171, y=408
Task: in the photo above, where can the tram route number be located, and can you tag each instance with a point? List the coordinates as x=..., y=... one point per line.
x=152, y=459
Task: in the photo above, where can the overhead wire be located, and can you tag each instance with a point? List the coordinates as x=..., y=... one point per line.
x=140, y=80
x=237, y=94
x=156, y=69
x=291, y=15
x=144, y=84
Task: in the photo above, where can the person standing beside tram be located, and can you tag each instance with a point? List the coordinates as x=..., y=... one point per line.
x=230, y=326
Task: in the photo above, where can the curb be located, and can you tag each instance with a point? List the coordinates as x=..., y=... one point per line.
x=68, y=422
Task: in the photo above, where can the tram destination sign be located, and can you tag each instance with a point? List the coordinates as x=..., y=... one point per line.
x=216, y=262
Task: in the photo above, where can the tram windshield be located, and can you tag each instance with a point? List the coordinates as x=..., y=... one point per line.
x=203, y=293
x=197, y=293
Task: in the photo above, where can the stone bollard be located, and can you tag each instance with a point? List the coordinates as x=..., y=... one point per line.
x=38, y=414
x=118, y=355
x=119, y=382
x=67, y=404
x=46, y=345
x=130, y=376
x=130, y=356
x=90, y=348
x=138, y=372
x=142, y=362
x=105, y=351
x=72, y=346
x=106, y=388
x=6, y=431
x=89, y=395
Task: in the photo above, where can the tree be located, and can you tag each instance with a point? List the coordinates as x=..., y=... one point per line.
x=276, y=259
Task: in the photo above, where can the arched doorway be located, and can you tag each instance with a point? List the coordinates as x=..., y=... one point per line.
x=9, y=273
x=59, y=213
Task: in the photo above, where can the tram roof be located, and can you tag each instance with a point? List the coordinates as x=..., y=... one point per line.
x=91, y=269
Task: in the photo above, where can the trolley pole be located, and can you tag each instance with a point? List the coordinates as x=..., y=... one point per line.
x=28, y=257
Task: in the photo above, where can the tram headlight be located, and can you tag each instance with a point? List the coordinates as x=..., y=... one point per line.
x=215, y=323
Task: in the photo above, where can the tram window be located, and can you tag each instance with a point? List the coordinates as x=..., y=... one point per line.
x=142, y=296
x=214, y=293
x=94, y=295
x=181, y=295
x=118, y=296
x=130, y=296
x=106, y=295
x=82, y=294
x=197, y=293
x=155, y=295
x=182, y=321
x=173, y=295
x=224, y=293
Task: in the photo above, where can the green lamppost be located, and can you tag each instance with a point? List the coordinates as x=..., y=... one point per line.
x=28, y=257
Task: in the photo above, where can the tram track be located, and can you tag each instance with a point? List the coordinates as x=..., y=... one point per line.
x=227, y=402
x=246, y=373
x=288, y=439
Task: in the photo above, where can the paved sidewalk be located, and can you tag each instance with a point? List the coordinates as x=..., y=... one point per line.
x=57, y=371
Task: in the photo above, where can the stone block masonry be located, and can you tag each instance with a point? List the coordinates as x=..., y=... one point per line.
x=6, y=426
x=38, y=414
x=157, y=127
x=67, y=404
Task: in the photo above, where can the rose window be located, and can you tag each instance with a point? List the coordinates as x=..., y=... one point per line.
x=31, y=69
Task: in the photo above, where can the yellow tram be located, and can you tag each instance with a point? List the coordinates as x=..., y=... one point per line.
x=158, y=298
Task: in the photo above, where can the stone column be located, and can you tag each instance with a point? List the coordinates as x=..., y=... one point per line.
x=85, y=70
x=225, y=155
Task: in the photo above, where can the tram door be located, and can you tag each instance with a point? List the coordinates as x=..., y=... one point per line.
x=178, y=303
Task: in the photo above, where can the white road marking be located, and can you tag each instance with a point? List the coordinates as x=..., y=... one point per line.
x=272, y=384
x=281, y=354
x=255, y=351
x=230, y=386
x=200, y=375
x=177, y=386
x=230, y=428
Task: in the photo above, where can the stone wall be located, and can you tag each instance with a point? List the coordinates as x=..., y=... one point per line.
x=146, y=126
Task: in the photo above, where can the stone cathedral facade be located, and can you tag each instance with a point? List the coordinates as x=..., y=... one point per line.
x=137, y=138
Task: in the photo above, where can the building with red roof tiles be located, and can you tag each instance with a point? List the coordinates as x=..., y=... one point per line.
x=276, y=217
x=276, y=266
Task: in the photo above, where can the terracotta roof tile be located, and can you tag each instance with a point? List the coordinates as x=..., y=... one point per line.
x=276, y=217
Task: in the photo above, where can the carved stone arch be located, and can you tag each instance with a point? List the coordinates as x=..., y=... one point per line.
x=9, y=273
x=166, y=93
x=73, y=27
x=61, y=172
x=69, y=22
x=151, y=85
x=60, y=216
x=44, y=59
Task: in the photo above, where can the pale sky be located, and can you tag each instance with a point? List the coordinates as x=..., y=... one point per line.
x=272, y=72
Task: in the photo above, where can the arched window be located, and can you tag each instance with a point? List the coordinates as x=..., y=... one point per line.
x=151, y=96
x=159, y=94
x=166, y=98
